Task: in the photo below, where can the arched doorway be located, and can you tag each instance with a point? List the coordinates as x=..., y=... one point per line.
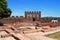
x=33, y=19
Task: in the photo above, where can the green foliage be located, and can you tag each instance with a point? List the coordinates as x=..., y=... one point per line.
x=4, y=10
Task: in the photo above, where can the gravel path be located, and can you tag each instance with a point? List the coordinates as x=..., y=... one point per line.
x=40, y=35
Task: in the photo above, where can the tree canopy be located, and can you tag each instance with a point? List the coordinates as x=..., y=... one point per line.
x=4, y=10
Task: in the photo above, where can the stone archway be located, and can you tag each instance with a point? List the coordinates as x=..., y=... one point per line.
x=33, y=19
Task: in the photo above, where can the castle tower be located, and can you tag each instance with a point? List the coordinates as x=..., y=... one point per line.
x=33, y=15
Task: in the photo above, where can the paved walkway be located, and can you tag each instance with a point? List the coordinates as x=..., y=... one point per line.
x=40, y=35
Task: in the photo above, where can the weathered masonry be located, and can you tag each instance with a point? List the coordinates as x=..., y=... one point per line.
x=33, y=15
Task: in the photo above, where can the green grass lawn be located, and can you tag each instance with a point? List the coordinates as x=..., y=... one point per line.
x=55, y=35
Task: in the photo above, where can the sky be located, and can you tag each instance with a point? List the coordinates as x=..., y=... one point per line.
x=49, y=8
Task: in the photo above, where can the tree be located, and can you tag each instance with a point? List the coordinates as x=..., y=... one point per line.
x=4, y=10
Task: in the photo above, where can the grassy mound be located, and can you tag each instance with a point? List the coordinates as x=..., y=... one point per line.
x=55, y=35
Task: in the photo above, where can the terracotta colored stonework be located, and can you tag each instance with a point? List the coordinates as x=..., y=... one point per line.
x=32, y=17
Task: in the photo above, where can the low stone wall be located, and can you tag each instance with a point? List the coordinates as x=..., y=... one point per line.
x=31, y=31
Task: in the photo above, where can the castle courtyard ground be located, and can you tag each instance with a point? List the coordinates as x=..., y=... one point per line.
x=42, y=36
x=27, y=32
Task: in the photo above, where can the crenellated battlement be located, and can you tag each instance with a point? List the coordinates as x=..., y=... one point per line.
x=15, y=16
x=32, y=11
x=33, y=15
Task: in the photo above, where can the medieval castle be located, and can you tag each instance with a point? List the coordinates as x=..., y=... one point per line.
x=31, y=16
